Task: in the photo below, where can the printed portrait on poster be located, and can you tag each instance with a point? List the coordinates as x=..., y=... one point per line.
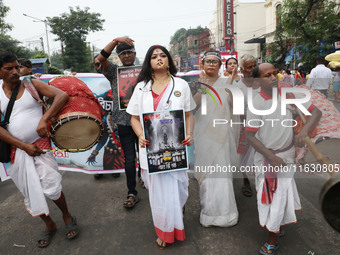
x=165, y=131
x=127, y=79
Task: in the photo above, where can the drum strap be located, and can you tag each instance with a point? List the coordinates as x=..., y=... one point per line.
x=33, y=91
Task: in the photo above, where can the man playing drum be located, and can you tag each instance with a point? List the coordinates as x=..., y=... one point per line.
x=127, y=54
x=33, y=171
x=277, y=196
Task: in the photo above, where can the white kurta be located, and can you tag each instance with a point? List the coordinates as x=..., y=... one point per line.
x=168, y=191
x=35, y=177
x=216, y=146
x=276, y=137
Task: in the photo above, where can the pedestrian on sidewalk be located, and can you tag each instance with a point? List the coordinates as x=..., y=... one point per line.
x=320, y=77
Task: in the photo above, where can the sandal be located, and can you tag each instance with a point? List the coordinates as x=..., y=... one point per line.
x=160, y=246
x=246, y=191
x=131, y=201
x=269, y=247
x=72, y=226
x=141, y=183
x=47, y=236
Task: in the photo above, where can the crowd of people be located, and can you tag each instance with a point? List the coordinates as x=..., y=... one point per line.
x=320, y=78
x=159, y=89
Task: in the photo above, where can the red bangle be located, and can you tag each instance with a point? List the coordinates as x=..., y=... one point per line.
x=115, y=40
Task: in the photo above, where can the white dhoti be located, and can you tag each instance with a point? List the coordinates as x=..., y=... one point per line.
x=36, y=177
x=286, y=199
x=168, y=193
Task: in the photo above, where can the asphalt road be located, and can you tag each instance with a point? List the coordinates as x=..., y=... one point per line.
x=108, y=228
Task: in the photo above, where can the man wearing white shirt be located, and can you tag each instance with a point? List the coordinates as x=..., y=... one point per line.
x=320, y=77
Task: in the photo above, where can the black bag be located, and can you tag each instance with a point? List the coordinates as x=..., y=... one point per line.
x=5, y=148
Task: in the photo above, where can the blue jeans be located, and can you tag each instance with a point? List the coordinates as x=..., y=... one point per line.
x=129, y=142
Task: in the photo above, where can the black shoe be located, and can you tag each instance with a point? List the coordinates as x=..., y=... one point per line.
x=116, y=175
x=97, y=176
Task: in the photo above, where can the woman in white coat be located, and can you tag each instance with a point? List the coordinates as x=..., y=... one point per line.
x=157, y=89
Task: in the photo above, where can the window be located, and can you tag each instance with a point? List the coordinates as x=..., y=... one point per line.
x=278, y=14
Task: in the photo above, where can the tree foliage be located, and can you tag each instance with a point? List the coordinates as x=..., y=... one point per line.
x=312, y=25
x=7, y=43
x=57, y=60
x=182, y=33
x=54, y=70
x=39, y=54
x=71, y=30
x=4, y=27
x=178, y=40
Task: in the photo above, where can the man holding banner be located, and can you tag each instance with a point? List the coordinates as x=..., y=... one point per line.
x=127, y=54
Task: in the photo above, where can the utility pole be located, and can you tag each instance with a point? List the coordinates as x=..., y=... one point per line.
x=46, y=22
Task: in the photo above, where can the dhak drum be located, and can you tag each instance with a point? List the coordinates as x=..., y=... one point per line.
x=78, y=125
x=328, y=147
x=330, y=192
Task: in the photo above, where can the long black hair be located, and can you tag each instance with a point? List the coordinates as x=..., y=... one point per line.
x=146, y=72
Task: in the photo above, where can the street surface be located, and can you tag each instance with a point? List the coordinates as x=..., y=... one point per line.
x=108, y=228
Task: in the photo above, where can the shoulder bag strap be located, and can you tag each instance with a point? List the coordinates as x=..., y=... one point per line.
x=27, y=81
x=11, y=103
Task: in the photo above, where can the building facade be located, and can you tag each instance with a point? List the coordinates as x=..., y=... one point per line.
x=186, y=52
x=249, y=22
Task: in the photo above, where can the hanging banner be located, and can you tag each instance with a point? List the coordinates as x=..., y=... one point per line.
x=104, y=157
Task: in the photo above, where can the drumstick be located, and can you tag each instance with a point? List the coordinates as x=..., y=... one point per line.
x=68, y=150
x=311, y=146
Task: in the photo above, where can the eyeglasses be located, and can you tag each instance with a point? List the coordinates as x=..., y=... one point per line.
x=97, y=64
x=208, y=62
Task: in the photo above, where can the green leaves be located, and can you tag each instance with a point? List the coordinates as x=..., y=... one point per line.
x=312, y=24
x=4, y=27
x=71, y=30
